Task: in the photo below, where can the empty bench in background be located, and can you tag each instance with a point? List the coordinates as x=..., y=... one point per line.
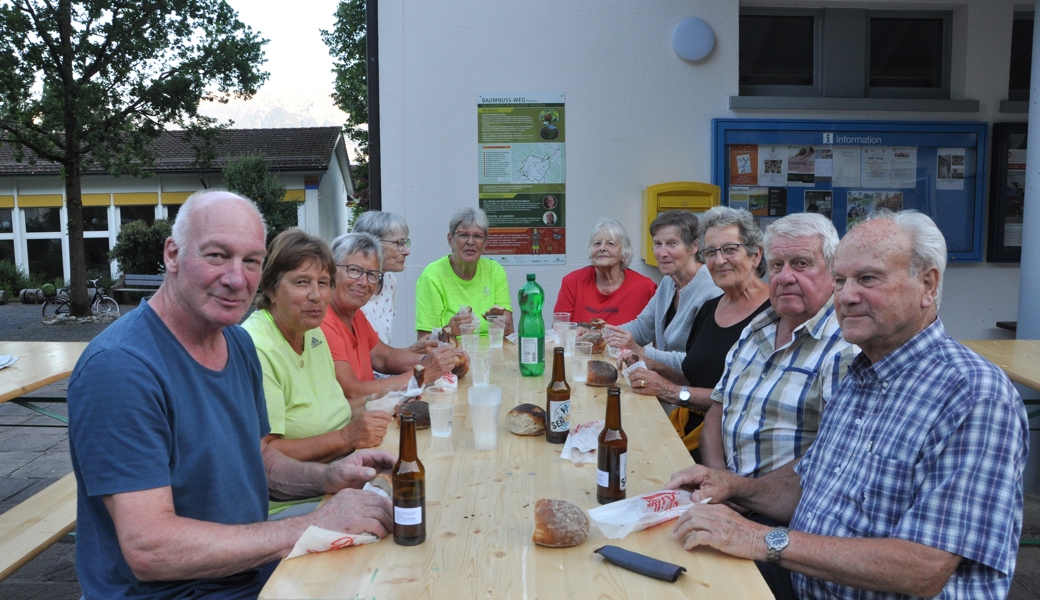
x=136, y=283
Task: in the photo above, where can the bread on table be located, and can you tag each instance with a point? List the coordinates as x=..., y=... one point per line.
x=601, y=374
x=526, y=419
x=559, y=524
x=417, y=407
x=384, y=480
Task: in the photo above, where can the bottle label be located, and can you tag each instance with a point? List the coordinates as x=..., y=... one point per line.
x=407, y=516
x=603, y=477
x=528, y=350
x=559, y=415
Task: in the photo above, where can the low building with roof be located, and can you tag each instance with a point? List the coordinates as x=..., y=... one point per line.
x=311, y=162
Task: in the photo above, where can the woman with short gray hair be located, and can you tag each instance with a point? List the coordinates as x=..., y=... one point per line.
x=462, y=279
x=392, y=232
x=357, y=351
x=607, y=289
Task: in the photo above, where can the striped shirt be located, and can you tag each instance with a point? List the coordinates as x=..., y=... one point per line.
x=773, y=399
x=928, y=445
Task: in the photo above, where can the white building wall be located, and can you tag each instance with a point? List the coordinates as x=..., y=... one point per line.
x=637, y=115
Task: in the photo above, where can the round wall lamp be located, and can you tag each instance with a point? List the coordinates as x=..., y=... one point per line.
x=693, y=39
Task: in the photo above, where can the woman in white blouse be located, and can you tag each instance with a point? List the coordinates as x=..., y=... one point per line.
x=392, y=231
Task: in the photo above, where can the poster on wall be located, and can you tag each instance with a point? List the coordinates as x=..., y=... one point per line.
x=521, y=176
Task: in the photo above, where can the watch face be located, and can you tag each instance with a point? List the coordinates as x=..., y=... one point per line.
x=684, y=394
x=776, y=538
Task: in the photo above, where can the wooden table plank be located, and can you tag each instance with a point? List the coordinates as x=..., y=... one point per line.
x=1020, y=359
x=32, y=526
x=39, y=364
x=480, y=517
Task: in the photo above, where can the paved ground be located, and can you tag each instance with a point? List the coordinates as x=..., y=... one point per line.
x=33, y=458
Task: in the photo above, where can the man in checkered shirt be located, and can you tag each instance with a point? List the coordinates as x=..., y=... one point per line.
x=914, y=485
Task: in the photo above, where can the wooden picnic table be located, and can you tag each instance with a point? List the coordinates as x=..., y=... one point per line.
x=480, y=517
x=1020, y=359
x=39, y=364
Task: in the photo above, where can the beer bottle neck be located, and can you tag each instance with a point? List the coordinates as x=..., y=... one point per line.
x=408, y=452
x=558, y=371
x=613, y=410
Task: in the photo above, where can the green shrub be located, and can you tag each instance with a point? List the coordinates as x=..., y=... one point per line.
x=139, y=247
x=12, y=279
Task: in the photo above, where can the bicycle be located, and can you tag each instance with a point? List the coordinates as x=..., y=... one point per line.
x=99, y=302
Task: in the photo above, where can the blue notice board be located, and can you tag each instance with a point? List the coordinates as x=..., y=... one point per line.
x=849, y=169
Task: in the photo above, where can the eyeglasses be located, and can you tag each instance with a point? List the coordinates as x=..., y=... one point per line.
x=355, y=272
x=401, y=243
x=478, y=238
x=727, y=250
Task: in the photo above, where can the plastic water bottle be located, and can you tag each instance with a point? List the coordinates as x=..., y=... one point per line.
x=531, y=333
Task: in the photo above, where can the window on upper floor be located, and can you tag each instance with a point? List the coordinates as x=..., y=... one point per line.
x=1021, y=56
x=845, y=53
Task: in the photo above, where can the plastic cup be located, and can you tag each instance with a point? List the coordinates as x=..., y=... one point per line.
x=470, y=327
x=480, y=367
x=496, y=330
x=484, y=403
x=561, y=317
x=442, y=409
x=580, y=360
x=565, y=335
x=470, y=343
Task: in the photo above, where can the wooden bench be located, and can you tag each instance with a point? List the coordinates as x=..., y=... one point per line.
x=136, y=283
x=34, y=525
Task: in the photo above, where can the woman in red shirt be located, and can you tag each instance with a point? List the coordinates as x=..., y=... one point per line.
x=607, y=289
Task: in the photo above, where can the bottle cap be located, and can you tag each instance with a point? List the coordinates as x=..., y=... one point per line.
x=530, y=276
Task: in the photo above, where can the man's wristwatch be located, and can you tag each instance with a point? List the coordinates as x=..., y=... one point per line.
x=776, y=540
x=684, y=397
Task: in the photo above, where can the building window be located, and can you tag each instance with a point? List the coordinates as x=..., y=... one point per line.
x=42, y=220
x=845, y=53
x=45, y=258
x=96, y=250
x=128, y=214
x=6, y=220
x=171, y=212
x=1021, y=56
x=95, y=218
x=7, y=251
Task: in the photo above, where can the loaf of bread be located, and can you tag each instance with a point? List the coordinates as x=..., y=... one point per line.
x=384, y=481
x=601, y=374
x=559, y=524
x=526, y=419
x=494, y=310
x=461, y=364
x=596, y=338
x=417, y=407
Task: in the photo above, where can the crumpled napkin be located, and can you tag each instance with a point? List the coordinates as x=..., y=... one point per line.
x=316, y=539
x=632, y=367
x=394, y=397
x=582, y=442
x=6, y=360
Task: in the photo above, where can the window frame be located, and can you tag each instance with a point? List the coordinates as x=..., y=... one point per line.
x=816, y=89
x=940, y=93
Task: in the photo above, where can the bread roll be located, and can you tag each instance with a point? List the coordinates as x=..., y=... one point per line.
x=419, y=408
x=596, y=337
x=384, y=481
x=419, y=372
x=461, y=364
x=601, y=374
x=526, y=419
x=559, y=524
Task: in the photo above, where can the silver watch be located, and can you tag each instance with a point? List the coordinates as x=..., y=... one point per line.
x=776, y=540
x=684, y=397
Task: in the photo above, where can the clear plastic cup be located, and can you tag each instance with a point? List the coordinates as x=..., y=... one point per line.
x=470, y=343
x=561, y=317
x=580, y=360
x=496, y=330
x=480, y=367
x=484, y=403
x=565, y=335
x=442, y=409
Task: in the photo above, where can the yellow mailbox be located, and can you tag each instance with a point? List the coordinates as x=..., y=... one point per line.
x=683, y=195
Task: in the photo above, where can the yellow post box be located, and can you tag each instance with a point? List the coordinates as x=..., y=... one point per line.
x=682, y=195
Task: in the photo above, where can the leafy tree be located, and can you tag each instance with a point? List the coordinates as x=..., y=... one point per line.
x=139, y=247
x=347, y=46
x=248, y=176
x=87, y=83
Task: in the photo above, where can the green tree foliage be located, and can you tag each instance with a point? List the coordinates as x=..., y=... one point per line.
x=347, y=46
x=87, y=83
x=248, y=176
x=139, y=247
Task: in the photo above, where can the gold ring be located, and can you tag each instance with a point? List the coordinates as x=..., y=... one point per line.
x=642, y=383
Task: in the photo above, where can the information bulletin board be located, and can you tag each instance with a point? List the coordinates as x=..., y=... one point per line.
x=846, y=170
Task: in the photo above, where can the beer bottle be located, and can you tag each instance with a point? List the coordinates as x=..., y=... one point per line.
x=409, y=478
x=558, y=402
x=612, y=453
x=531, y=332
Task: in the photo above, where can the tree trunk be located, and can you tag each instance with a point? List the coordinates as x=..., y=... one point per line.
x=80, y=302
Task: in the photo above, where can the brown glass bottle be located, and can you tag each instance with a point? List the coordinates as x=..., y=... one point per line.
x=557, y=402
x=612, y=453
x=409, y=489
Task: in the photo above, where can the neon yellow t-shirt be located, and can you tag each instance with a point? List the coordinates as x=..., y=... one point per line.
x=440, y=293
x=303, y=397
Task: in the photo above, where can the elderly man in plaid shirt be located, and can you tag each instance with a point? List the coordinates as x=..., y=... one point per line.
x=914, y=484
x=788, y=361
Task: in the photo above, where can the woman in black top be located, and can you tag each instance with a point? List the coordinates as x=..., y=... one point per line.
x=731, y=247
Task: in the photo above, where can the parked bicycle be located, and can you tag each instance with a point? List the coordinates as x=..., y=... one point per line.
x=100, y=302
